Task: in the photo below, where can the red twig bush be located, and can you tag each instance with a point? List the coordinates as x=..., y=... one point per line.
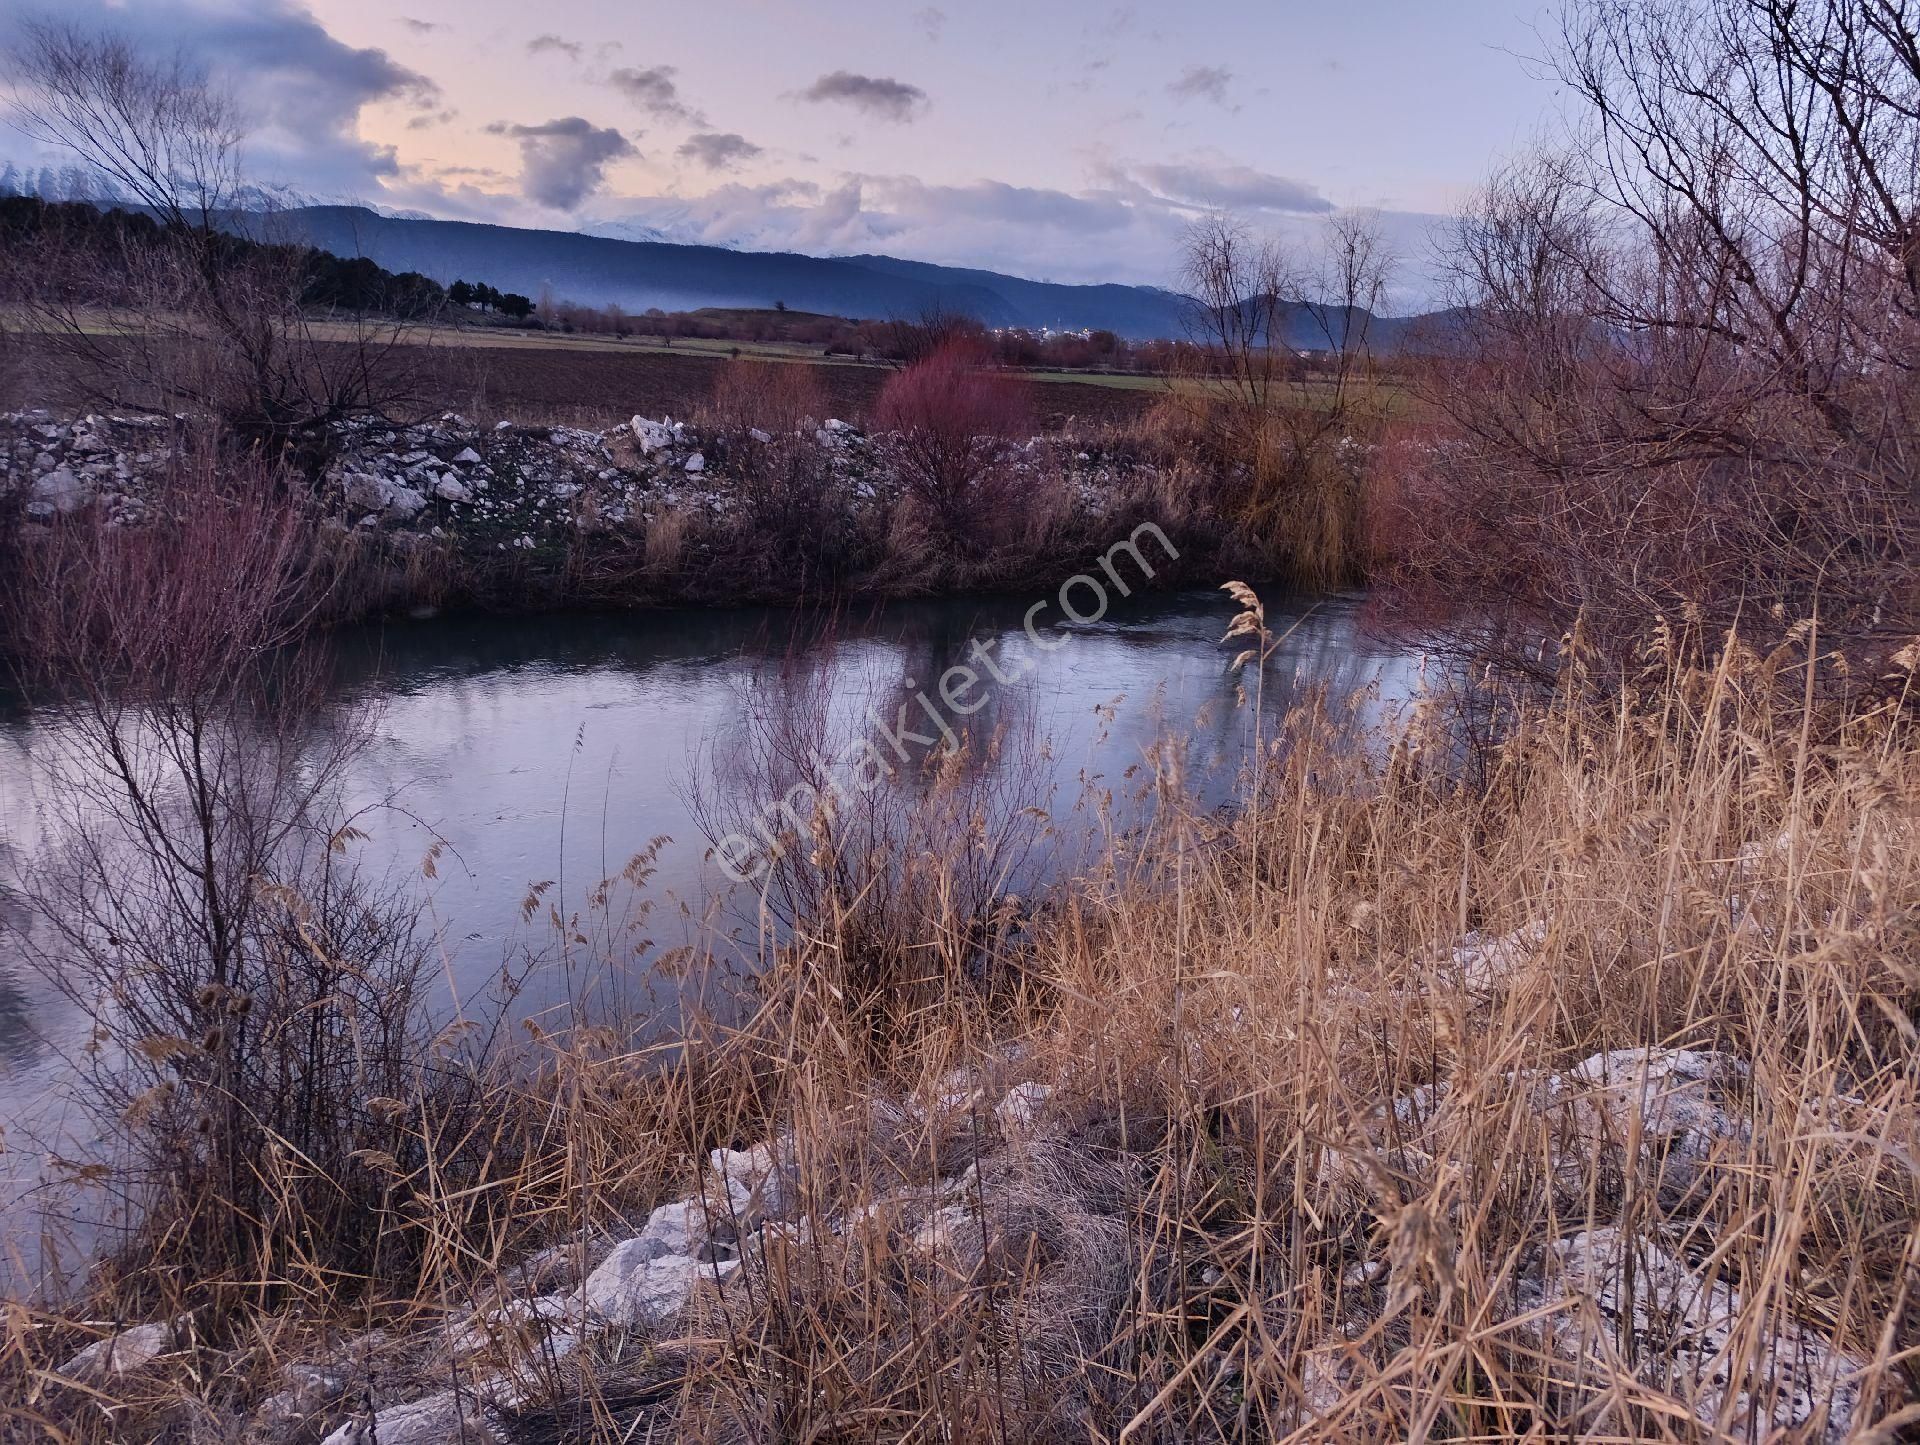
x=951, y=416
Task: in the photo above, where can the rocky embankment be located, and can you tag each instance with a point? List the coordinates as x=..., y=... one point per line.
x=988, y=1173
x=507, y=487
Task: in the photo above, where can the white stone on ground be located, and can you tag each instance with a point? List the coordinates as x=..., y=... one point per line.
x=1619, y=1300
x=62, y=489
x=1019, y=1112
x=746, y=1187
x=129, y=1349
x=1483, y=964
x=651, y=435
x=446, y=1418
x=636, y=1287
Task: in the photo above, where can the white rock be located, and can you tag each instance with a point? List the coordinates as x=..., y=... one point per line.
x=651, y=435
x=451, y=489
x=834, y=424
x=1617, y=1299
x=404, y=503
x=310, y=1389
x=1677, y=1101
x=696, y=463
x=1482, y=964
x=953, y=1238
x=448, y=1418
x=636, y=1286
x=60, y=488
x=520, y=1321
x=128, y=1350
x=1019, y=1112
x=760, y=436
x=503, y=426
x=746, y=1187
x=467, y=457
x=673, y=1228
x=364, y=490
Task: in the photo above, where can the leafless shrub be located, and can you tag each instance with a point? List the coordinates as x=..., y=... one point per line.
x=1285, y=429
x=908, y=861
x=794, y=531
x=950, y=416
x=772, y=396
x=1684, y=383
x=258, y=1007
x=195, y=321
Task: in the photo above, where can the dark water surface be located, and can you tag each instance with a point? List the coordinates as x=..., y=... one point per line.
x=551, y=749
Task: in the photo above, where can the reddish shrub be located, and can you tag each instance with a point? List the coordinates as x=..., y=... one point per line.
x=951, y=415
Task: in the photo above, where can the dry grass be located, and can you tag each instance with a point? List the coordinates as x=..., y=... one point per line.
x=1218, y=1225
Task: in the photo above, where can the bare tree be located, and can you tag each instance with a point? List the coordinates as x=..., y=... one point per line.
x=200, y=316
x=158, y=131
x=1238, y=287
x=253, y=999
x=1764, y=152
x=1275, y=418
x=1686, y=383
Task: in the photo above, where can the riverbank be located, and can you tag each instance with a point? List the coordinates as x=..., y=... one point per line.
x=1579, y=1100
x=505, y=517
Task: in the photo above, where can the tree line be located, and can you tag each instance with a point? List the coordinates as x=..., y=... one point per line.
x=325, y=281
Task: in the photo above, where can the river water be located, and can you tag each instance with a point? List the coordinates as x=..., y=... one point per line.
x=549, y=750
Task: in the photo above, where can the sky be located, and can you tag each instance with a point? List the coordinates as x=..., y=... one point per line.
x=1065, y=140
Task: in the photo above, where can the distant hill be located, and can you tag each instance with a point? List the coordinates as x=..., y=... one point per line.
x=600, y=270
x=638, y=274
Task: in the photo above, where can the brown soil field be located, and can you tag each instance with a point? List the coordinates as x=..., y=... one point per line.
x=584, y=386
x=600, y=387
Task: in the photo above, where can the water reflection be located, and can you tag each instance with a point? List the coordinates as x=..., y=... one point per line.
x=551, y=750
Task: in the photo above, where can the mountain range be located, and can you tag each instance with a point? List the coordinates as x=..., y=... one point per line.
x=640, y=269
x=640, y=274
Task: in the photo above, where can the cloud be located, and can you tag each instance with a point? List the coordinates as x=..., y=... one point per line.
x=420, y=27
x=543, y=44
x=1033, y=231
x=1118, y=229
x=301, y=89
x=564, y=161
x=655, y=91
x=1203, y=82
x=879, y=96
x=932, y=20
x=718, y=151
x=1234, y=187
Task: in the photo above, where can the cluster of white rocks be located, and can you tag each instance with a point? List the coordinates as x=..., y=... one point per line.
x=747, y=1199
x=54, y=468
x=505, y=487
x=1600, y=1301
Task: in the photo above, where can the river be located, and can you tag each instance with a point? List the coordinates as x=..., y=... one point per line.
x=551, y=749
